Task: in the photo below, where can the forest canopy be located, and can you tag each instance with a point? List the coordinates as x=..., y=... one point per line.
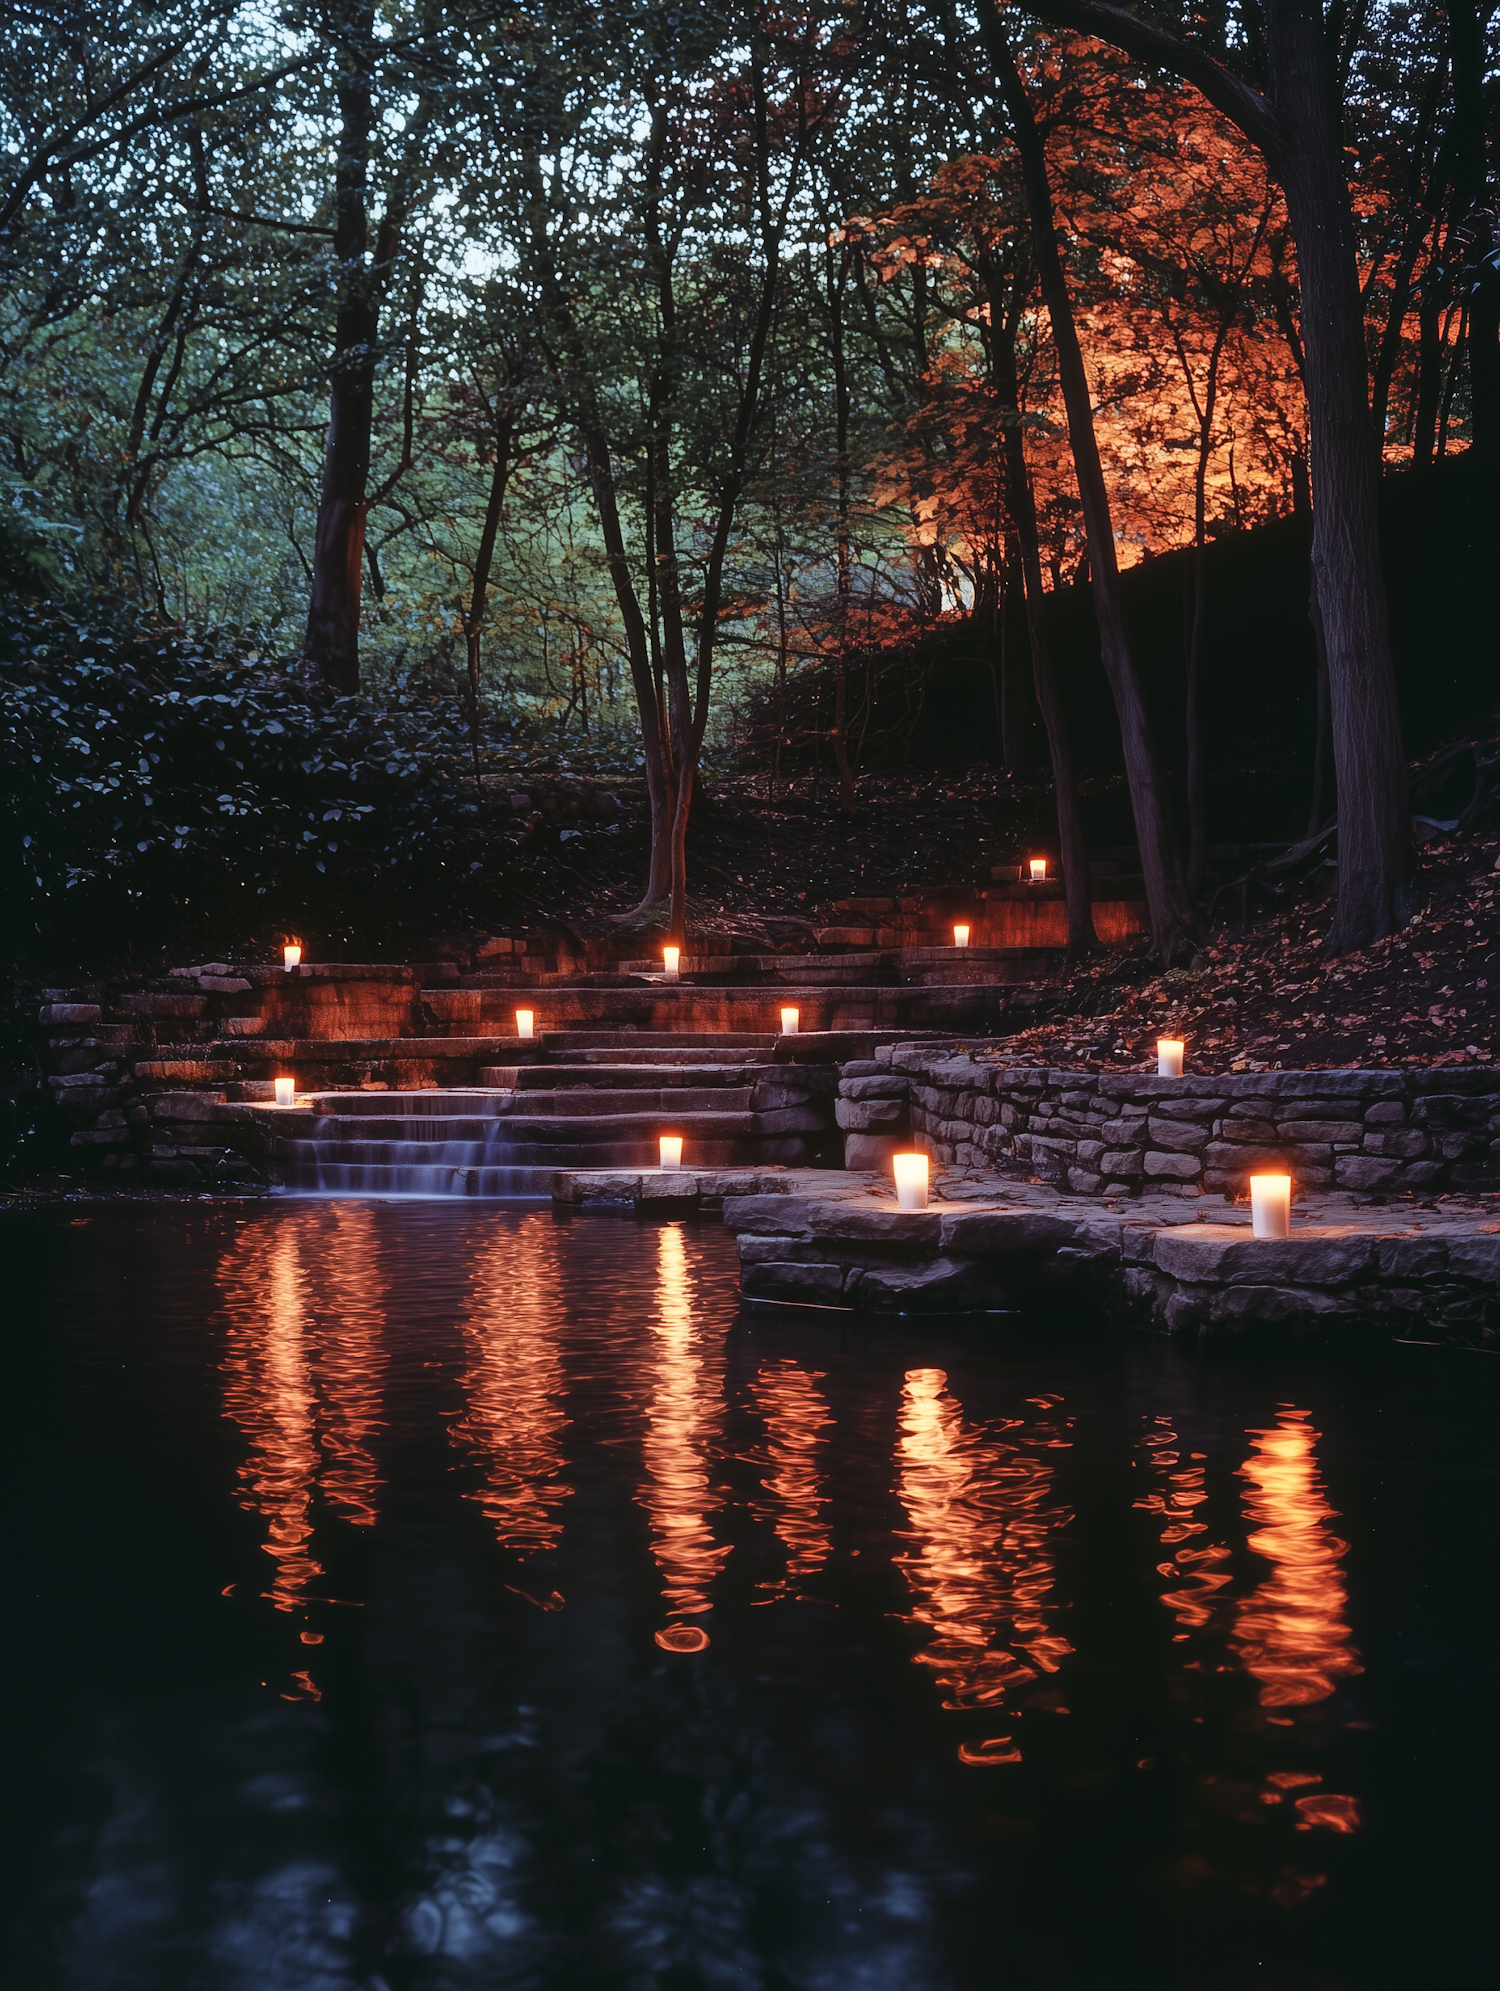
x=599, y=366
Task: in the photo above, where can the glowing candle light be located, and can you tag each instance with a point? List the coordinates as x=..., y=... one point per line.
x=291, y=955
x=960, y=936
x=525, y=1022
x=1169, y=1052
x=1038, y=870
x=910, y=1171
x=1271, y=1205
x=790, y=1018
x=286, y=1092
x=671, y=1150
x=670, y=957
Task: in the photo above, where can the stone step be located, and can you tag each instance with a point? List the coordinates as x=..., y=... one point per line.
x=395, y=1151
x=452, y=1102
x=628, y=1077
x=658, y=1065
x=778, y=967
x=599, y=1102
x=727, y=1041
x=406, y=1179
x=549, y=1128
x=297, y=1159
x=701, y=1152
x=338, y=1129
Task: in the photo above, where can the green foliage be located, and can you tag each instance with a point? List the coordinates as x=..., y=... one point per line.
x=172, y=796
x=31, y=562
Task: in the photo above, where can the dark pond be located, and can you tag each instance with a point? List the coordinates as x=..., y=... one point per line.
x=448, y=1596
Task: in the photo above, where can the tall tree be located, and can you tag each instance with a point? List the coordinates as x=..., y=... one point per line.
x=663, y=378
x=1295, y=122
x=331, y=645
x=1167, y=897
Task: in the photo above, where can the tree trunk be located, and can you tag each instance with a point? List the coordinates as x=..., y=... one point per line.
x=1197, y=771
x=848, y=800
x=1167, y=895
x=1300, y=134
x=1317, y=807
x=574, y=365
x=1021, y=503
x=1466, y=43
x=1377, y=866
x=1484, y=356
x=331, y=645
x=504, y=438
x=1000, y=671
x=659, y=787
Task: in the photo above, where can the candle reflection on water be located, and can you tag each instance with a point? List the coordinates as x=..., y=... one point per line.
x=1291, y=1632
x=796, y=1417
x=514, y=1386
x=980, y=1566
x=303, y=1374
x=683, y=1425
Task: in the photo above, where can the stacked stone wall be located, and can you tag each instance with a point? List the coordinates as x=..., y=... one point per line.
x=1130, y=1133
x=140, y=1069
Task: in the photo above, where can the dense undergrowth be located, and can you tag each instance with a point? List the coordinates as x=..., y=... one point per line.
x=170, y=795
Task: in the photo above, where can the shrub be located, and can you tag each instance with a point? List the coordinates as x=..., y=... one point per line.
x=172, y=797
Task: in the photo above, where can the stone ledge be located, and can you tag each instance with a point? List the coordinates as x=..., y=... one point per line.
x=582, y=1188
x=986, y=1242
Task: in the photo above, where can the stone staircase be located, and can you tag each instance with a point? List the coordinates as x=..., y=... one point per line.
x=413, y=1079
x=507, y=1137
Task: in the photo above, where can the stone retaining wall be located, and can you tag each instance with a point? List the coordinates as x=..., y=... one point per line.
x=1129, y=1133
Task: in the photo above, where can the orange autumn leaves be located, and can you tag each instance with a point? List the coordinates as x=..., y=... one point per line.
x=1184, y=292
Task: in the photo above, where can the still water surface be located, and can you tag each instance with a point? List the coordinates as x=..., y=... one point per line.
x=430, y=1597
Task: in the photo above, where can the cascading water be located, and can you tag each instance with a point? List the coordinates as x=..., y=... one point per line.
x=449, y=1143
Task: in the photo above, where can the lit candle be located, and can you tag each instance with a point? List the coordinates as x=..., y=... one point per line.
x=1038, y=870
x=790, y=1018
x=960, y=936
x=286, y=1092
x=1271, y=1205
x=525, y=1022
x=1169, y=1057
x=670, y=957
x=910, y=1171
x=671, y=1150
x=291, y=955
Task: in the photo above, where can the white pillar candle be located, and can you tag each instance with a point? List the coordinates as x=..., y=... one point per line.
x=1169, y=1052
x=286, y=1091
x=671, y=1150
x=291, y=955
x=1038, y=870
x=910, y=1171
x=670, y=957
x=1271, y=1205
x=790, y=1018
x=960, y=936
x=525, y=1022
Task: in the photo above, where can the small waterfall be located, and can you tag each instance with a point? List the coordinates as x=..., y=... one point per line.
x=449, y=1143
